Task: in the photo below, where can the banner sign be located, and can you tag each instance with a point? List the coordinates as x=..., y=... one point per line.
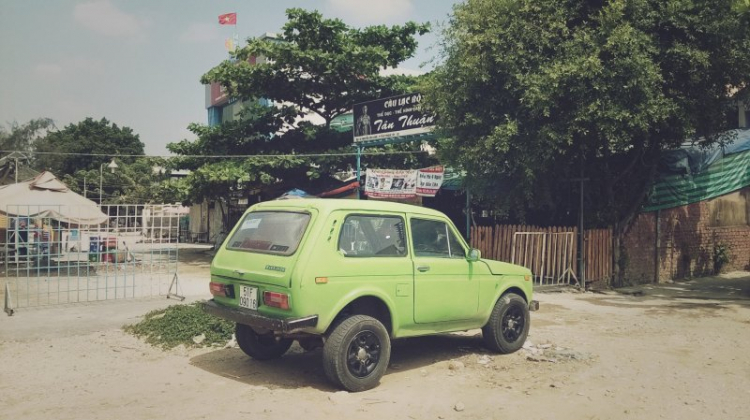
x=394, y=183
x=391, y=117
x=218, y=95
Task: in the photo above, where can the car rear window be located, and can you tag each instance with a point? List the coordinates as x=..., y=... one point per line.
x=271, y=232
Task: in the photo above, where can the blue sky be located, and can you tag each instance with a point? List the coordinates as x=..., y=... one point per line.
x=138, y=62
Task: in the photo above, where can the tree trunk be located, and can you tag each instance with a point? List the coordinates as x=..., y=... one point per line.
x=627, y=217
x=224, y=220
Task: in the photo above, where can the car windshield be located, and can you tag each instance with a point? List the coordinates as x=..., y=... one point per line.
x=270, y=232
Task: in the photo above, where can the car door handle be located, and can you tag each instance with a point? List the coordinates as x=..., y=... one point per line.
x=423, y=268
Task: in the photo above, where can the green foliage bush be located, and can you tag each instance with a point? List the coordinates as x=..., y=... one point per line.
x=178, y=324
x=721, y=256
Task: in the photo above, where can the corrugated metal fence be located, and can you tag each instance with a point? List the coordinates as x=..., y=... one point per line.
x=550, y=253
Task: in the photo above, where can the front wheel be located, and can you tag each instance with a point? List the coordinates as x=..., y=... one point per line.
x=508, y=326
x=356, y=353
x=261, y=346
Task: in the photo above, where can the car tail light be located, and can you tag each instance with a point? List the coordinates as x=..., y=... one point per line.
x=221, y=289
x=277, y=300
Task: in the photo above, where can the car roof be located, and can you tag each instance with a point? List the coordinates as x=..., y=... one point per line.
x=327, y=205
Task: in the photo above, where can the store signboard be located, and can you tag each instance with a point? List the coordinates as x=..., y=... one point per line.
x=395, y=116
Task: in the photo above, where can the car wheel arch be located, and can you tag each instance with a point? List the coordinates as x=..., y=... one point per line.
x=516, y=290
x=366, y=304
x=502, y=292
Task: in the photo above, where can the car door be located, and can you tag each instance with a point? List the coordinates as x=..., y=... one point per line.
x=445, y=288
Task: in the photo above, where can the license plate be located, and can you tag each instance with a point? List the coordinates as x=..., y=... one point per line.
x=249, y=297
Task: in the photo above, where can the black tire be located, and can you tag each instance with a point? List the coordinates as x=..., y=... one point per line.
x=356, y=353
x=261, y=346
x=508, y=326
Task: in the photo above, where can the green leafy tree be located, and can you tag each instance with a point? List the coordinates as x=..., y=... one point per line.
x=532, y=91
x=17, y=143
x=145, y=181
x=742, y=6
x=317, y=66
x=21, y=137
x=85, y=146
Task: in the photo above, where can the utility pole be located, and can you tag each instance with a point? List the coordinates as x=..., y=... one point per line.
x=581, y=233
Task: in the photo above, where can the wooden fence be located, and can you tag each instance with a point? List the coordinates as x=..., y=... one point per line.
x=550, y=253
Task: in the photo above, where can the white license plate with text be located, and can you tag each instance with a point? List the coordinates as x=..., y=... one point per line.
x=249, y=297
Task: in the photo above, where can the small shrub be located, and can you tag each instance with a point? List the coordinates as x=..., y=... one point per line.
x=721, y=256
x=178, y=324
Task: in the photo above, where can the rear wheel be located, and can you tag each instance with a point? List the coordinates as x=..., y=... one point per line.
x=356, y=353
x=261, y=346
x=508, y=326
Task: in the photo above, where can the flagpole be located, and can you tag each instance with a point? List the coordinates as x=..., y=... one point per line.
x=230, y=43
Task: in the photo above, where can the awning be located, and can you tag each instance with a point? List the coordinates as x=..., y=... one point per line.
x=46, y=197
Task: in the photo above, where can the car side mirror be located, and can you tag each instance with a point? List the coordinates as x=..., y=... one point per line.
x=474, y=255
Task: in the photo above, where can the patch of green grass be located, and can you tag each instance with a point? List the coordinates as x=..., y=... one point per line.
x=178, y=324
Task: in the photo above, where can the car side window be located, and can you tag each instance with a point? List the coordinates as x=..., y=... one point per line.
x=457, y=251
x=435, y=239
x=372, y=236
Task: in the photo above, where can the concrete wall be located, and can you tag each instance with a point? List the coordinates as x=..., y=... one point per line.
x=687, y=238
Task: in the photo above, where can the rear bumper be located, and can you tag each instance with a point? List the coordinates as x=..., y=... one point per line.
x=255, y=319
x=534, y=305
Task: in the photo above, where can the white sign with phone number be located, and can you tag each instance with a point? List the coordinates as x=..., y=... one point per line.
x=394, y=183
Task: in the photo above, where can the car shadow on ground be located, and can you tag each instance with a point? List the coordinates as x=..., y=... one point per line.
x=302, y=369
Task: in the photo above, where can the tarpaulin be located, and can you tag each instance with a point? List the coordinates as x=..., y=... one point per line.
x=46, y=197
x=692, y=174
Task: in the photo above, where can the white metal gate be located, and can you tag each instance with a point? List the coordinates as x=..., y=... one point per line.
x=549, y=256
x=48, y=259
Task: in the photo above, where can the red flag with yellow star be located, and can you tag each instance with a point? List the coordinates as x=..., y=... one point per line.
x=228, y=19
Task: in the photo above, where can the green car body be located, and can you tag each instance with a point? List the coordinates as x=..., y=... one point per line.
x=322, y=260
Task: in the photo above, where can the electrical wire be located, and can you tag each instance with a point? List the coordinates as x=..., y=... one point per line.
x=301, y=155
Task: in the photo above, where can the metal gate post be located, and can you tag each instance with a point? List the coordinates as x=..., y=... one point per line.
x=544, y=257
x=359, y=168
x=8, y=302
x=177, y=289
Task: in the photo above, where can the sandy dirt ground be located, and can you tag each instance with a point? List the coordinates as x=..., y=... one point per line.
x=674, y=351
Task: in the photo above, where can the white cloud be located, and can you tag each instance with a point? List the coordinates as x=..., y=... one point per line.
x=68, y=67
x=103, y=17
x=200, y=32
x=368, y=12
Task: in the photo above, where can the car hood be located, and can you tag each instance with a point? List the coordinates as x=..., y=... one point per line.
x=499, y=267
